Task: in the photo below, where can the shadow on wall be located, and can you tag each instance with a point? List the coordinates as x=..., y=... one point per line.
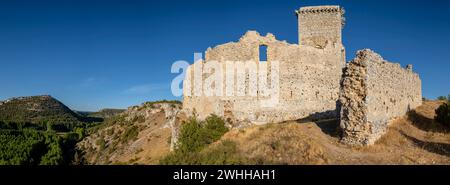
x=329, y=126
x=434, y=147
x=328, y=121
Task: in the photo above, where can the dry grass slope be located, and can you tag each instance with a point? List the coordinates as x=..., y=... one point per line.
x=412, y=139
x=318, y=142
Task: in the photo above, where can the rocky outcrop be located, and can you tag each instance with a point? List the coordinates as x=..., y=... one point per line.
x=140, y=135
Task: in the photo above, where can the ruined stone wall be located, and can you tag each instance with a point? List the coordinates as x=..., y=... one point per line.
x=309, y=81
x=318, y=25
x=369, y=93
x=373, y=92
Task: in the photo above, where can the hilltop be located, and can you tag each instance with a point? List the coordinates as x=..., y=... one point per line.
x=39, y=130
x=35, y=109
x=40, y=111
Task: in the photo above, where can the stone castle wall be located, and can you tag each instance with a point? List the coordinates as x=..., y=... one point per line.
x=309, y=81
x=314, y=80
x=319, y=25
x=373, y=92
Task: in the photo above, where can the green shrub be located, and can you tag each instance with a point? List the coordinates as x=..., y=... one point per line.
x=130, y=133
x=138, y=119
x=190, y=138
x=194, y=136
x=81, y=132
x=214, y=128
x=101, y=143
x=443, y=114
x=442, y=98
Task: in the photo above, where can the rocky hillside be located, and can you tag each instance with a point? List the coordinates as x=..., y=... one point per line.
x=143, y=134
x=38, y=110
x=140, y=135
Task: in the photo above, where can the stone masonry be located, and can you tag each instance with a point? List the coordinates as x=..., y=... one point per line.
x=309, y=74
x=319, y=25
x=314, y=80
x=374, y=91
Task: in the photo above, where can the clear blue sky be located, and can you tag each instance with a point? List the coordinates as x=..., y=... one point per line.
x=96, y=54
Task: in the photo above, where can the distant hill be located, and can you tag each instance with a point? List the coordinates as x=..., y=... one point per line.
x=106, y=113
x=40, y=110
x=83, y=113
x=40, y=130
x=36, y=109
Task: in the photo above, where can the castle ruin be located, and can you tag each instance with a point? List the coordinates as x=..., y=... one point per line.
x=314, y=80
x=374, y=91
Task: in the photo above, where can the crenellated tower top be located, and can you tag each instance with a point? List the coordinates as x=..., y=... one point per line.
x=320, y=25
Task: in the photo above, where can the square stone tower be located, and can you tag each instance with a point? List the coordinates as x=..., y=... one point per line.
x=320, y=25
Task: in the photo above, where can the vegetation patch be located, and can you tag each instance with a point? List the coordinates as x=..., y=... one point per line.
x=130, y=134
x=224, y=153
x=31, y=147
x=40, y=130
x=138, y=119
x=443, y=114
x=152, y=103
x=194, y=144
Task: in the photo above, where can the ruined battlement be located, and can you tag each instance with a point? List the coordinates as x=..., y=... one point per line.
x=320, y=25
x=320, y=9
